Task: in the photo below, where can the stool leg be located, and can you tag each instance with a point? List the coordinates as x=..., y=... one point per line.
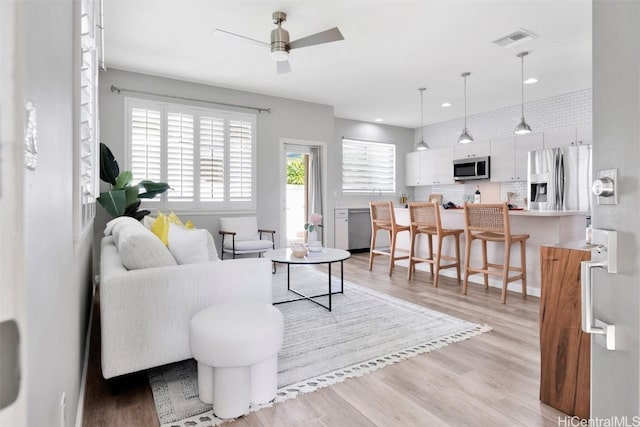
x=205, y=383
x=457, y=237
x=437, y=262
x=505, y=270
x=392, y=255
x=412, y=253
x=264, y=380
x=374, y=233
x=231, y=391
x=523, y=263
x=467, y=254
x=430, y=239
x=484, y=264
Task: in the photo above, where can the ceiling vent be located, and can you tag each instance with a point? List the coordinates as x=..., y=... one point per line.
x=515, y=38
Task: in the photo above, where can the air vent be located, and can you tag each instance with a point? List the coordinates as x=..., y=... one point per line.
x=515, y=38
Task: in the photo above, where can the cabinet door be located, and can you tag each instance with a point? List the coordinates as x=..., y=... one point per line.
x=584, y=134
x=425, y=167
x=341, y=229
x=563, y=137
x=411, y=168
x=472, y=149
x=442, y=166
x=502, y=158
x=524, y=144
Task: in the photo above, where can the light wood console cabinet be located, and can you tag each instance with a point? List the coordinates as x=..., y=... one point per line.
x=564, y=348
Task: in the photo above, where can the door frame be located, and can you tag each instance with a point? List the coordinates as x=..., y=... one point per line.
x=12, y=289
x=283, y=183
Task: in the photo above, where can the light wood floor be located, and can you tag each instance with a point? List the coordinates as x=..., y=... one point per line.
x=488, y=380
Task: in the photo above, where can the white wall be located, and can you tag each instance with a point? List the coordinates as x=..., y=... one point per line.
x=289, y=119
x=57, y=279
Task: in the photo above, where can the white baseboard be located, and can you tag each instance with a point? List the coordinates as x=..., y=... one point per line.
x=85, y=364
x=494, y=283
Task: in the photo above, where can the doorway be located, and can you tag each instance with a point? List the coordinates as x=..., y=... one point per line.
x=302, y=181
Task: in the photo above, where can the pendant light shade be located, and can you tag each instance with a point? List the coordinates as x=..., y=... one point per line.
x=522, y=127
x=421, y=146
x=465, y=136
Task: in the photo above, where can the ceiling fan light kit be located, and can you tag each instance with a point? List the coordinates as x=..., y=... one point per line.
x=465, y=137
x=421, y=146
x=523, y=127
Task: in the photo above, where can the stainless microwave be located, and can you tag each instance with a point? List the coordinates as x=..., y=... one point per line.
x=471, y=168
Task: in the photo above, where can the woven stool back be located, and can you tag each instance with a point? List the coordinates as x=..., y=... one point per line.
x=487, y=217
x=425, y=215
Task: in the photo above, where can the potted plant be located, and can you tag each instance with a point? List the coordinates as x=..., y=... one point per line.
x=124, y=198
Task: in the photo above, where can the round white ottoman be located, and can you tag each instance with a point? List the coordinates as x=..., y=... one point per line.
x=236, y=346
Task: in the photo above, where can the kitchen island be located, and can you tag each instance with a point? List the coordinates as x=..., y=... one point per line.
x=544, y=228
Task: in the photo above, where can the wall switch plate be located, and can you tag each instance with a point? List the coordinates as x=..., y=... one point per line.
x=606, y=176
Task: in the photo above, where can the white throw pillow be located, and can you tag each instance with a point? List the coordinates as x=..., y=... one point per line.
x=211, y=246
x=188, y=246
x=139, y=248
x=108, y=229
x=147, y=221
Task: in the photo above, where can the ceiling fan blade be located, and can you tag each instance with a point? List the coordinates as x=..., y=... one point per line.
x=230, y=35
x=283, y=67
x=327, y=36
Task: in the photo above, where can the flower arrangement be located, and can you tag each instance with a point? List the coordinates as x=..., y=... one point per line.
x=314, y=221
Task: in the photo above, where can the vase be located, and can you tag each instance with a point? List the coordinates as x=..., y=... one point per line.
x=312, y=236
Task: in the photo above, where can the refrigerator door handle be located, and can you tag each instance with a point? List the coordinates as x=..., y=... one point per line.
x=561, y=183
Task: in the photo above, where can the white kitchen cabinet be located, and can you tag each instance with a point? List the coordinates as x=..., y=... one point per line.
x=509, y=156
x=472, y=149
x=341, y=229
x=411, y=168
x=563, y=137
x=584, y=134
x=524, y=144
x=430, y=167
x=503, y=154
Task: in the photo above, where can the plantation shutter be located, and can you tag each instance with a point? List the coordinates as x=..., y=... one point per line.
x=145, y=140
x=240, y=161
x=212, y=159
x=180, y=176
x=368, y=166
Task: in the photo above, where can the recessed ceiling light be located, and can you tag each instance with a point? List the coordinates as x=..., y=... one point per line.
x=530, y=81
x=446, y=104
x=379, y=120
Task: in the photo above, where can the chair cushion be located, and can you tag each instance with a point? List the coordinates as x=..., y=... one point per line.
x=248, y=245
x=246, y=227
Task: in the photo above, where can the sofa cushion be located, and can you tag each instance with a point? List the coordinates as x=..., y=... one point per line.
x=249, y=245
x=188, y=246
x=139, y=248
x=108, y=229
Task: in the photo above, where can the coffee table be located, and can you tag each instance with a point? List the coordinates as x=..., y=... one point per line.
x=325, y=256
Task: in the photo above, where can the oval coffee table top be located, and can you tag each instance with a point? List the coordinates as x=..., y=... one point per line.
x=325, y=255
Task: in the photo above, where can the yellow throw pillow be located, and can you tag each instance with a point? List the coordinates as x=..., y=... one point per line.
x=160, y=228
x=189, y=225
x=173, y=219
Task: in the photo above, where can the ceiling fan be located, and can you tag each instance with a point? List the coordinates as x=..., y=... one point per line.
x=280, y=44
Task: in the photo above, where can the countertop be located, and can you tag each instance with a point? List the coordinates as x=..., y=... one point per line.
x=577, y=245
x=518, y=212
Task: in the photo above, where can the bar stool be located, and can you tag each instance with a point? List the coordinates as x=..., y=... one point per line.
x=490, y=223
x=384, y=218
x=435, y=197
x=425, y=219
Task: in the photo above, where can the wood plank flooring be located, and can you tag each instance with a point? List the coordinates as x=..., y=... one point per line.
x=488, y=380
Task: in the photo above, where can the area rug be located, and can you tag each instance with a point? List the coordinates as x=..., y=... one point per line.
x=366, y=330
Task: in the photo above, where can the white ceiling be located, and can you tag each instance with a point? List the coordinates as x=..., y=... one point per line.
x=391, y=48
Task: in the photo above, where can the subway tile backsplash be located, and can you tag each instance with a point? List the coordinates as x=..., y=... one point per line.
x=492, y=192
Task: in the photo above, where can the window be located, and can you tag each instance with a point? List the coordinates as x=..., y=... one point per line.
x=206, y=156
x=368, y=166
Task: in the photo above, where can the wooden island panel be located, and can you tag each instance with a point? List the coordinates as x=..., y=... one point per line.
x=564, y=348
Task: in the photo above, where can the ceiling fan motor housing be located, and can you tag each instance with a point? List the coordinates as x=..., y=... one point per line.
x=279, y=38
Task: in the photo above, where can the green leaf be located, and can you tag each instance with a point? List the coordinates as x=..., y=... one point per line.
x=131, y=195
x=152, y=189
x=123, y=180
x=109, y=169
x=113, y=201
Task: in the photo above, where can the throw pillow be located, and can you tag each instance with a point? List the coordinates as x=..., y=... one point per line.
x=139, y=248
x=188, y=246
x=108, y=229
x=160, y=228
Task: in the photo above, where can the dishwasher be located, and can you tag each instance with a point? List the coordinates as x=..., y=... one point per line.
x=359, y=229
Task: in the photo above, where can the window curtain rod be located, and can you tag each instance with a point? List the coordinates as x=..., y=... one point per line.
x=183, y=98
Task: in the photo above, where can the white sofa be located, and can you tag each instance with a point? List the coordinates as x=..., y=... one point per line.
x=145, y=313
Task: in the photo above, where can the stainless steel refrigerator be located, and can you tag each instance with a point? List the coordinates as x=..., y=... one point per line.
x=560, y=179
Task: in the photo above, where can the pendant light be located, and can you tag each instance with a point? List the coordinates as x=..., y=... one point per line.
x=465, y=136
x=522, y=127
x=421, y=146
